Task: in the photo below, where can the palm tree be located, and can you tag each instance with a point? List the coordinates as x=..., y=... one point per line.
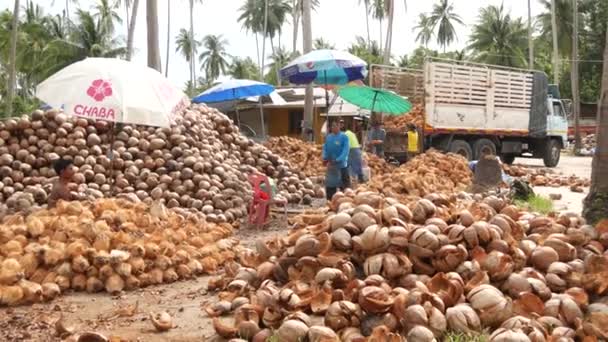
x=193, y=60
x=403, y=61
x=562, y=39
x=378, y=10
x=66, y=10
x=595, y=205
x=320, y=43
x=106, y=15
x=12, y=59
x=530, y=41
x=307, y=47
x=152, y=31
x=424, y=29
x=366, y=3
x=130, y=21
x=555, y=46
x=89, y=38
x=277, y=15
x=252, y=21
x=442, y=17
x=279, y=59
x=372, y=54
x=243, y=68
x=214, y=59
x=296, y=15
x=390, y=10
x=183, y=43
x=498, y=39
x=168, y=37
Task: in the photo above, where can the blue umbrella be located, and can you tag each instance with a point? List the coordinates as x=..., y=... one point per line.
x=233, y=90
x=325, y=67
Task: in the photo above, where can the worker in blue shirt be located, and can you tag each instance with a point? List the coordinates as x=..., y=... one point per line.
x=335, y=157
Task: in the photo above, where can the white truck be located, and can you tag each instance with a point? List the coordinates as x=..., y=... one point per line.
x=470, y=108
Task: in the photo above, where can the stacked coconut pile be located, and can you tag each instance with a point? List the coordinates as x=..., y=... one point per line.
x=428, y=172
x=307, y=157
x=105, y=245
x=301, y=155
x=546, y=177
x=374, y=267
x=201, y=162
x=399, y=123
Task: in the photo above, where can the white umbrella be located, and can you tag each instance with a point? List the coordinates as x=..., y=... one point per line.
x=114, y=90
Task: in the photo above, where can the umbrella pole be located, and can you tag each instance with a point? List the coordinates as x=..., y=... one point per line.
x=262, y=119
x=238, y=118
x=326, y=99
x=111, y=156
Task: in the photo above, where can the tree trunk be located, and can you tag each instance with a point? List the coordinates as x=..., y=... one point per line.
x=12, y=60
x=131, y=33
x=389, y=33
x=381, y=39
x=257, y=48
x=296, y=23
x=192, y=56
x=264, y=34
x=555, y=47
x=574, y=78
x=168, y=37
x=127, y=15
x=67, y=10
x=369, y=37
x=530, y=41
x=307, y=131
x=596, y=203
x=152, y=30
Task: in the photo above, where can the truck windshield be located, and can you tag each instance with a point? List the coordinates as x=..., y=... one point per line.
x=557, y=109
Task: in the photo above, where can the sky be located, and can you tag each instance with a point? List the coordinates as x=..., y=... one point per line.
x=336, y=21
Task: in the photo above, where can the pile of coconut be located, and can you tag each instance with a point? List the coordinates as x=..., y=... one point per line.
x=107, y=245
x=376, y=269
x=201, y=162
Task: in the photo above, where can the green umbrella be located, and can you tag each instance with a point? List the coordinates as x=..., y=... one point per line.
x=376, y=100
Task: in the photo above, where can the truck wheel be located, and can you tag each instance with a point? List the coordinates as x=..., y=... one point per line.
x=482, y=146
x=552, y=153
x=461, y=147
x=507, y=158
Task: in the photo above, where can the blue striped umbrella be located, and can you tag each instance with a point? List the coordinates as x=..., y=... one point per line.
x=325, y=67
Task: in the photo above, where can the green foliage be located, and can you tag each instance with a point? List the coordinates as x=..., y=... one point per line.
x=424, y=29
x=499, y=39
x=279, y=59
x=536, y=203
x=244, y=68
x=371, y=53
x=214, y=60
x=252, y=16
x=321, y=43
x=186, y=45
x=564, y=16
x=443, y=18
x=48, y=43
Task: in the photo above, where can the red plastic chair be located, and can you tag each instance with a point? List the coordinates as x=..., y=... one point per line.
x=259, y=208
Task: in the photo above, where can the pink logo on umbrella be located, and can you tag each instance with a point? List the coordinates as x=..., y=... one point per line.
x=99, y=90
x=310, y=65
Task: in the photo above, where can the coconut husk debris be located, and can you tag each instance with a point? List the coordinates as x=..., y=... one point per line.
x=307, y=157
x=200, y=162
x=429, y=172
x=546, y=177
x=105, y=245
x=377, y=269
x=399, y=123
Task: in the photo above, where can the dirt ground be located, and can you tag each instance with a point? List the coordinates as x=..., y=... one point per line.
x=568, y=165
